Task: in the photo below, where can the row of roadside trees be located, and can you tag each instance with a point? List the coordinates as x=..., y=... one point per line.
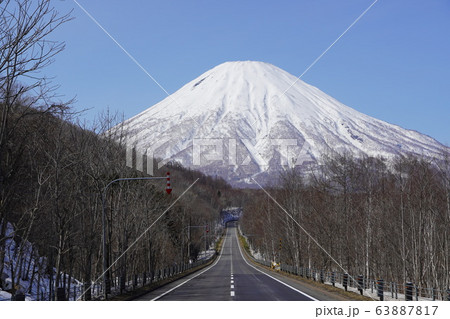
x=384, y=219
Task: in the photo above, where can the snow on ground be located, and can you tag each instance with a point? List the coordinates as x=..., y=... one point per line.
x=4, y=295
x=209, y=254
x=33, y=286
x=34, y=262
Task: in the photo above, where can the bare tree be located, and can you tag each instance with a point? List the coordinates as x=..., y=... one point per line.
x=24, y=91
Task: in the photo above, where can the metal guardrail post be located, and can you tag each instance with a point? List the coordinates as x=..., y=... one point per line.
x=19, y=296
x=345, y=281
x=396, y=290
x=392, y=289
x=380, y=289
x=61, y=294
x=409, y=291
x=360, y=284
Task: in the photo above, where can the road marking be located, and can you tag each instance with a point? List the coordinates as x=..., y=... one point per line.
x=215, y=263
x=281, y=282
x=231, y=255
x=232, y=293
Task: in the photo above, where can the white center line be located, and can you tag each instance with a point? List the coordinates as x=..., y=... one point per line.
x=232, y=293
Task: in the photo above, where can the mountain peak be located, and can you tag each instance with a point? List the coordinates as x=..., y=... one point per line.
x=238, y=112
x=244, y=63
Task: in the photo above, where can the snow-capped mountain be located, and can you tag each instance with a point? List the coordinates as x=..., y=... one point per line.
x=250, y=119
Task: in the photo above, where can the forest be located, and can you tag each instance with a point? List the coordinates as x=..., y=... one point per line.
x=54, y=169
x=366, y=216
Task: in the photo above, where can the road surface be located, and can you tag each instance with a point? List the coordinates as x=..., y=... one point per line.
x=232, y=277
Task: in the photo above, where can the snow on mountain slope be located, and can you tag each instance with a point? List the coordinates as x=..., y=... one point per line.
x=238, y=121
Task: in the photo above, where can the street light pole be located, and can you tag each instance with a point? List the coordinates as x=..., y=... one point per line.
x=105, y=259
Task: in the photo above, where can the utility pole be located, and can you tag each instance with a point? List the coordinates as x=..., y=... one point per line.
x=189, y=241
x=206, y=245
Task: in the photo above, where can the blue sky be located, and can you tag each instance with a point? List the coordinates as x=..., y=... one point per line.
x=393, y=64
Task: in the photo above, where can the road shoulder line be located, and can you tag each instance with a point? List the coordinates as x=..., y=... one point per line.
x=200, y=273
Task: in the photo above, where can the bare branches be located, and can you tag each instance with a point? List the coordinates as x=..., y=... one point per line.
x=25, y=51
x=390, y=223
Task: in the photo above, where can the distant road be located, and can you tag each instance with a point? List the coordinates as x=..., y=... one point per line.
x=231, y=277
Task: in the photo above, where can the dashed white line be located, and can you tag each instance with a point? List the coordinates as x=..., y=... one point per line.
x=232, y=293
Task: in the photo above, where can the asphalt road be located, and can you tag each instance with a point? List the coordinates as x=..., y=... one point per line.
x=231, y=277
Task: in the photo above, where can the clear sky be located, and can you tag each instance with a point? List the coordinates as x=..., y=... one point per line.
x=393, y=64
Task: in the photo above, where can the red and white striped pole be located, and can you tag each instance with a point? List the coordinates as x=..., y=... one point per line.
x=168, y=187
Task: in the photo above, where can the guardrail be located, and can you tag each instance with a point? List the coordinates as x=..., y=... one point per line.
x=408, y=291
x=119, y=284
